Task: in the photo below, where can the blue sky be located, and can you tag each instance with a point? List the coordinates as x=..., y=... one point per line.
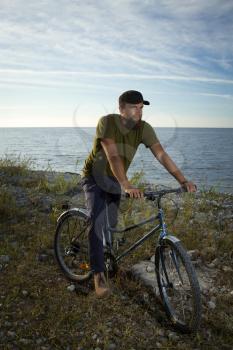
x=64, y=63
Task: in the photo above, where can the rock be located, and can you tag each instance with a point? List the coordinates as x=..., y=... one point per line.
x=173, y=336
x=95, y=336
x=227, y=269
x=111, y=346
x=42, y=257
x=201, y=217
x=49, y=251
x=146, y=298
x=161, y=332
x=11, y=334
x=223, y=289
x=71, y=288
x=140, y=272
x=193, y=254
x=39, y=341
x=152, y=259
x=4, y=259
x=211, y=305
x=24, y=341
x=25, y=293
x=212, y=202
x=150, y=269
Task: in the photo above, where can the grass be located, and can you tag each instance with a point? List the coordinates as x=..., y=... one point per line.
x=16, y=165
x=36, y=305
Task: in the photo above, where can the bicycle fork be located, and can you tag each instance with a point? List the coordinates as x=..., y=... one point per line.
x=172, y=253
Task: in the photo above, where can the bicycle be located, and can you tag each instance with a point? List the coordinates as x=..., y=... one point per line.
x=177, y=281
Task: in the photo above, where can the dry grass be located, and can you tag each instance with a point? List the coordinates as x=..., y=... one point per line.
x=36, y=305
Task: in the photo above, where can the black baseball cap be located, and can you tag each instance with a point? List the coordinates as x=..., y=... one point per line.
x=132, y=96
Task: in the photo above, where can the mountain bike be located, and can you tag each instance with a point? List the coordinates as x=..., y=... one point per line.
x=176, y=277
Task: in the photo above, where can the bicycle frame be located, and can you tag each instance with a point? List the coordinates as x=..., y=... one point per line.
x=160, y=226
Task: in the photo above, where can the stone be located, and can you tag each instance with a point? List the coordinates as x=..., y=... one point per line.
x=139, y=270
x=71, y=288
x=152, y=259
x=211, y=305
x=39, y=341
x=227, y=269
x=150, y=269
x=24, y=341
x=161, y=332
x=193, y=254
x=201, y=218
x=25, y=293
x=42, y=257
x=4, y=259
x=173, y=336
x=11, y=334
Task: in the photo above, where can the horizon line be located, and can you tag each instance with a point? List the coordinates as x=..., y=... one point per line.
x=94, y=126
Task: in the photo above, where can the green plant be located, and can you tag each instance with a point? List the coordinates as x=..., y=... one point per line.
x=16, y=165
x=7, y=204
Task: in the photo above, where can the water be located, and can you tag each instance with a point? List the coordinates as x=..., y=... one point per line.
x=203, y=154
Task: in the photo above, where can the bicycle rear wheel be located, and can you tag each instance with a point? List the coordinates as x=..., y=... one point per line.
x=178, y=286
x=72, y=246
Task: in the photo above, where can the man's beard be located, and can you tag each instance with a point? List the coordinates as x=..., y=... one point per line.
x=130, y=123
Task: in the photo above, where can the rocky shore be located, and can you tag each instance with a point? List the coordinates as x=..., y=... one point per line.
x=40, y=309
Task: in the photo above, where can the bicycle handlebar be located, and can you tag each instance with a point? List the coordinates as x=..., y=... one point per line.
x=152, y=195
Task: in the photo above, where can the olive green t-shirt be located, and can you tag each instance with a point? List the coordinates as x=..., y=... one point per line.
x=127, y=141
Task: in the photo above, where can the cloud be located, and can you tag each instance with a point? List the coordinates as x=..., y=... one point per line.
x=54, y=74
x=48, y=43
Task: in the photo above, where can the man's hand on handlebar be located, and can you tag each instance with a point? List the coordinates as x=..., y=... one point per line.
x=131, y=190
x=190, y=186
x=134, y=192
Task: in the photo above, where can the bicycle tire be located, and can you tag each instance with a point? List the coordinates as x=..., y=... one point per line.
x=71, y=245
x=178, y=286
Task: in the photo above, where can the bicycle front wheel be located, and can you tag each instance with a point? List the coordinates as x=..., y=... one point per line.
x=72, y=246
x=178, y=286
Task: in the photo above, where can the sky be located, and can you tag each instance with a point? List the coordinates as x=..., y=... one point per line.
x=65, y=63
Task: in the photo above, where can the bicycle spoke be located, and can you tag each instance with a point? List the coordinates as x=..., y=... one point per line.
x=72, y=249
x=176, y=288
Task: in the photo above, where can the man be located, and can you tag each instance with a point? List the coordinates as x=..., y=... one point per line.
x=105, y=172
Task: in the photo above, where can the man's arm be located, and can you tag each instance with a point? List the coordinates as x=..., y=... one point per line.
x=117, y=167
x=171, y=167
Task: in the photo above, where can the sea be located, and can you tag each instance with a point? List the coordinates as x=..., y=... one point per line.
x=204, y=155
